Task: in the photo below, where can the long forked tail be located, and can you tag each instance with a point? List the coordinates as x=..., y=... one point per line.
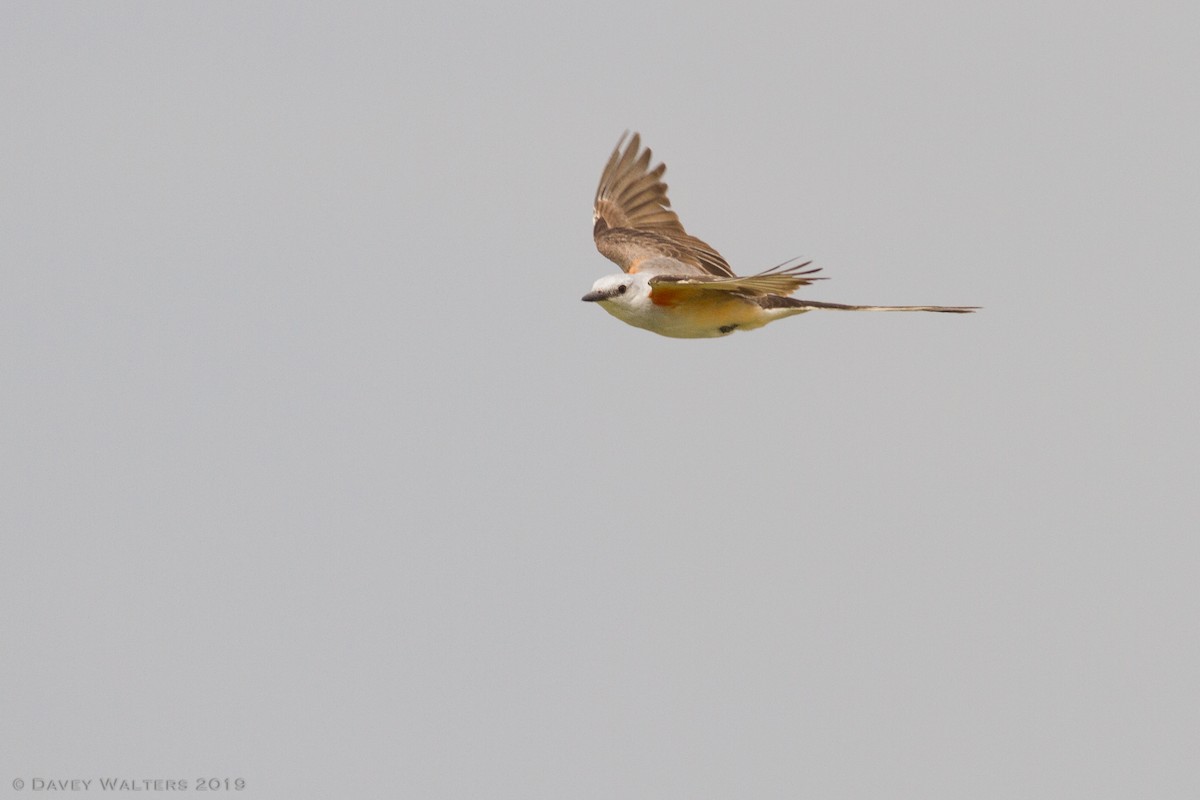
x=775, y=301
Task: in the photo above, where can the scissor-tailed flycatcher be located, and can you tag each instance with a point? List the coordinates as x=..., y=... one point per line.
x=673, y=283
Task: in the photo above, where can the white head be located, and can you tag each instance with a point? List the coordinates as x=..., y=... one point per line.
x=617, y=290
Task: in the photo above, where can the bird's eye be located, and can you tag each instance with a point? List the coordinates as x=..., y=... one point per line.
x=622, y=289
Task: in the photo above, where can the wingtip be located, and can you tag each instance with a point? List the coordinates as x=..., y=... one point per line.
x=629, y=141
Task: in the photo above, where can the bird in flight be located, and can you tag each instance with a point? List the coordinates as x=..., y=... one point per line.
x=671, y=282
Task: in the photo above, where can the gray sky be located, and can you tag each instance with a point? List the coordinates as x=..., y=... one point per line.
x=315, y=471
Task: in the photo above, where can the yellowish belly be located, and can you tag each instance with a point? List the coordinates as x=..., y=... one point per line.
x=702, y=318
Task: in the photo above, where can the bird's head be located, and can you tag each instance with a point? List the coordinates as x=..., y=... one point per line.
x=616, y=289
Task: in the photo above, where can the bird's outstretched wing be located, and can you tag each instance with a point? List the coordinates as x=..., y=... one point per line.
x=633, y=220
x=781, y=280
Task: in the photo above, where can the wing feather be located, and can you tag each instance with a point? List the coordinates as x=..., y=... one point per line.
x=780, y=280
x=633, y=217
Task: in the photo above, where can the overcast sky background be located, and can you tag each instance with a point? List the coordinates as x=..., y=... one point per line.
x=316, y=472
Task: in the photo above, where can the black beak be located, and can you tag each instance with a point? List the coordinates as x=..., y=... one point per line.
x=592, y=297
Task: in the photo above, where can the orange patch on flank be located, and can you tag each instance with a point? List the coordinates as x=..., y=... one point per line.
x=663, y=296
x=633, y=266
